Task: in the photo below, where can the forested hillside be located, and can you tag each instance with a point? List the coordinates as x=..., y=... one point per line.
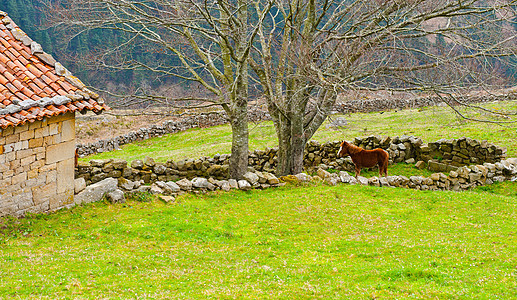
x=81, y=53
x=77, y=53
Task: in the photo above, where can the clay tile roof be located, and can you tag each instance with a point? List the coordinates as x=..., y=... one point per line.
x=33, y=85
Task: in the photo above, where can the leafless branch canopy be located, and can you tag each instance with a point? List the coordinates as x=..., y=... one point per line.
x=207, y=41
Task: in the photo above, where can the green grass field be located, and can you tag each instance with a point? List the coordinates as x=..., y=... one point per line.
x=430, y=124
x=295, y=242
x=309, y=242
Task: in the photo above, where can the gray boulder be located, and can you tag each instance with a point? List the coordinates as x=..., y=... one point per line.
x=155, y=189
x=200, y=183
x=137, y=164
x=79, y=185
x=117, y=196
x=271, y=179
x=126, y=184
x=233, y=183
x=323, y=174
x=148, y=161
x=95, y=192
x=303, y=177
x=345, y=177
x=225, y=186
x=173, y=186
x=362, y=180
x=184, y=184
x=252, y=178
x=244, y=185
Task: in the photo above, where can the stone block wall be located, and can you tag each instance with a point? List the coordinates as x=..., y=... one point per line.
x=37, y=166
x=401, y=149
x=460, y=152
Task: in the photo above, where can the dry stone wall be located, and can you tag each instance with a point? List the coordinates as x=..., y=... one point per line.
x=369, y=105
x=464, y=178
x=407, y=149
x=115, y=179
x=115, y=190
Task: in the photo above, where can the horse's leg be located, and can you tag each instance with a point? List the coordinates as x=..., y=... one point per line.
x=385, y=167
x=357, y=171
x=382, y=168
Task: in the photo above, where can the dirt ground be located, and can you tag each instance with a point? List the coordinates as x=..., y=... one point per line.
x=91, y=127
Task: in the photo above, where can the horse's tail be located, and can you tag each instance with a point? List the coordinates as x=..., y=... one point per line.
x=383, y=162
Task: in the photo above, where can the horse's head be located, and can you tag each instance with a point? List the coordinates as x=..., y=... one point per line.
x=343, y=150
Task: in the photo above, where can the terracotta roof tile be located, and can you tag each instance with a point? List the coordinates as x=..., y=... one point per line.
x=5, y=43
x=34, y=70
x=26, y=54
x=16, y=46
x=30, y=88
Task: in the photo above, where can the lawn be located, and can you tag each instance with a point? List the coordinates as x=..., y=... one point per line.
x=306, y=242
x=428, y=123
x=294, y=242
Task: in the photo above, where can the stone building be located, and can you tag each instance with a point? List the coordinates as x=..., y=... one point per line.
x=38, y=101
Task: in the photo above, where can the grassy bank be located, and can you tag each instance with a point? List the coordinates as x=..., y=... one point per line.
x=304, y=242
x=431, y=124
x=344, y=242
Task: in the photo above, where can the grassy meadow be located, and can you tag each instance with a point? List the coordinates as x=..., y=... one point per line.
x=305, y=242
x=428, y=123
x=295, y=242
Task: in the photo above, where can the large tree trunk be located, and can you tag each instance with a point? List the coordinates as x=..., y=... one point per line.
x=297, y=143
x=239, y=103
x=291, y=146
x=294, y=134
x=291, y=143
x=283, y=131
x=239, y=157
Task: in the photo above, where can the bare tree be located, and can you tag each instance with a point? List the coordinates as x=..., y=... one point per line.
x=304, y=53
x=210, y=41
x=309, y=51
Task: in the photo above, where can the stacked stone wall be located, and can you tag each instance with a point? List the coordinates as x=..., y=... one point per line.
x=407, y=149
x=37, y=166
x=376, y=104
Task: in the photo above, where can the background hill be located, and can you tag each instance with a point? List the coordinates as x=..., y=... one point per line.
x=79, y=52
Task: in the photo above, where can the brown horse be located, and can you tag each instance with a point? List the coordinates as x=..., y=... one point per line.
x=365, y=158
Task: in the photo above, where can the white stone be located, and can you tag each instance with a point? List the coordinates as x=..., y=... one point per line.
x=303, y=177
x=36, y=48
x=233, y=183
x=117, y=196
x=200, y=183
x=322, y=173
x=79, y=185
x=345, y=177
x=251, y=177
x=225, y=186
x=184, y=184
x=244, y=185
x=155, y=189
x=95, y=192
x=173, y=186
x=362, y=180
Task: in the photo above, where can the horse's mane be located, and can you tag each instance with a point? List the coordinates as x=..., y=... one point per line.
x=353, y=149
